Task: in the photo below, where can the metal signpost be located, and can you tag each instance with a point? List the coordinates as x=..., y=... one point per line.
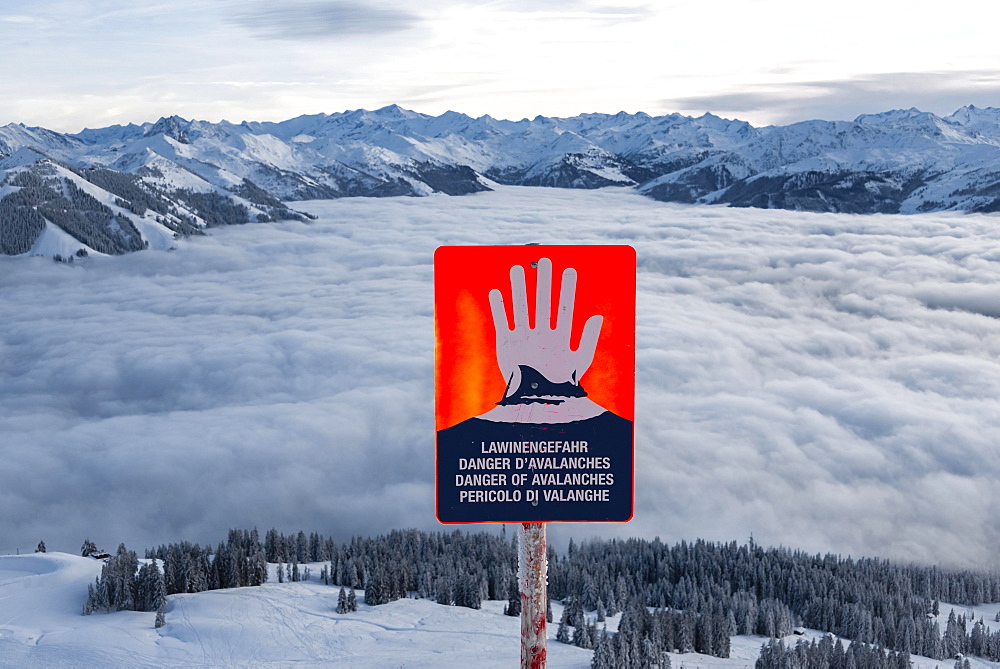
x=534, y=404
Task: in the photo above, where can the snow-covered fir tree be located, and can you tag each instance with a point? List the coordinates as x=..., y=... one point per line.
x=352, y=600
x=88, y=548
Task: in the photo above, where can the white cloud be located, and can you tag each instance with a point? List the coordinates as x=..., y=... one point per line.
x=90, y=65
x=822, y=381
x=321, y=19
x=785, y=100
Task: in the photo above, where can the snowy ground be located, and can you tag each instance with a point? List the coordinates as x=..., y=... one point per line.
x=41, y=596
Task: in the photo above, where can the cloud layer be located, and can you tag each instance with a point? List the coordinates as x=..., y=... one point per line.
x=822, y=381
x=313, y=19
x=98, y=64
x=939, y=92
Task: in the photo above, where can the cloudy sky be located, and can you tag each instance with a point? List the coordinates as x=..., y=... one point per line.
x=71, y=64
x=821, y=381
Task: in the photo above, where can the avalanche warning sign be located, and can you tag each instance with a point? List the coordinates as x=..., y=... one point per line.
x=535, y=383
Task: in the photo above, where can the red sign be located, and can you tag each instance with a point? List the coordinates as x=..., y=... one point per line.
x=535, y=386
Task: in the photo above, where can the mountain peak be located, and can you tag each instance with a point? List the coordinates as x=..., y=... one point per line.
x=174, y=127
x=22, y=157
x=892, y=115
x=972, y=113
x=394, y=111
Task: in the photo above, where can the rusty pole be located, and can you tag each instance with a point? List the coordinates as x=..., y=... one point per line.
x=532, y=579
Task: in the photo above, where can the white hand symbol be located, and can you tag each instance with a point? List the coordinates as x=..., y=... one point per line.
x=543, y=348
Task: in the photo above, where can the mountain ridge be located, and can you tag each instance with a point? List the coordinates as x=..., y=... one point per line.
x=897, y=161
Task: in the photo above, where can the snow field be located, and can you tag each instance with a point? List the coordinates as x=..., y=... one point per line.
x=277, y=624
x=288, y=624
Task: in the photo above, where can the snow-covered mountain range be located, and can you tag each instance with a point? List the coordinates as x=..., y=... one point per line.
x=123, y=188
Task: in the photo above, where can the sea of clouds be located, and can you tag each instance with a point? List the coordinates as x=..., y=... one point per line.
x=826, y=382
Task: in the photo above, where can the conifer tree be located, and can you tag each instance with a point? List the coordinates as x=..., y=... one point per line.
x=376, y=588
x=89, y=547
x=513, y=607
x=301, y=547
x=562, y=634
x=604, y=653
x=89, y=603
x=258, y=568
x=161, y=615
x=152, y=590
x=443, y=592
x=581, y=636
x=467, y=592
x=721, y=643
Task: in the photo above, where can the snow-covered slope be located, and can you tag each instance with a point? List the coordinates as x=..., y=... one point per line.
x=281, y=624
x=276, y=624
x=50, y=207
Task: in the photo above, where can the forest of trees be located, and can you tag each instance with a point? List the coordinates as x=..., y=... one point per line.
x=235, y=563
x=278, y=210
x=44, y=194
x=20, y=222
x=213, y=208
x=125, y=586
x=769, y=591
x=136, y=195
x=829, y=654
x=686, y=597
x=133, y=194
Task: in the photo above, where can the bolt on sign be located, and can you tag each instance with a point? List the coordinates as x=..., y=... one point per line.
x=535, y=384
